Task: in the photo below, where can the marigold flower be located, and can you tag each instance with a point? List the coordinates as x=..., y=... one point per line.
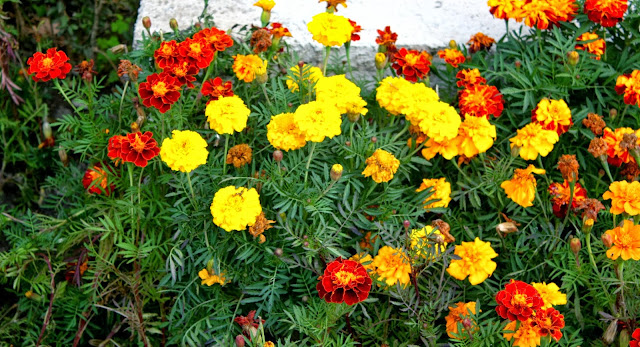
x=196, y=51
x=387, y=94
x=260, y=40
x=160, y=91
x=399, y=96
x=568, y=167
x=469, y=77
x=85, y=70
x=606, y=12
x=184, y=73
x=356, y=30
x=617, y=155
x=475, y=135
x=216, y=88
x=591, y=208
x=446, y=148
x=332, y=5
x=458, y=314
x=392, y=266
x=54, y=64
x=95, y=181
x=115, y=147
x=595, y=123
x=479, y=42
x=210, y=277
x=522, y=187
x=596, y=47
x=518, y=301
x=329, y=29
x=561, y=194
x=317, y=120
x=227, y=114
x=125, y=68
x=365, y=259
x=261, y=225
x=337, y=90
x=381, y=166
x=167, y=54
x=506, y=9
x=625, y=197
x=552, y=115
x=629, y=85
x=441, y=192
x=139, y=148
x=428, y=242
x=185, y=151
x=626, y=241
x=411, y=64
x=283, y=132
x=534, y=140
x=550, y=294
x=246, y=67
x=239, y=155
x=218, y=39
x=527, y=335
x=386, y=37
x=480, y=100
x=344, y=281
x=265, y=5
x=636, y=338
x=542, y=14
x=550, y=322
x=452, y=57
x=235, y=208
x=475, y=261
x=440, y=121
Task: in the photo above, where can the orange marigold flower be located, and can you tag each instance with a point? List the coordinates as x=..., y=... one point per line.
x=480, y=42
x=481, y=100
x=216, y=88
x=411, y=64
x=518, y=301
x=615, y=153
x=460, y=314
x=561, y=194
x=629, y=85
x=54, y=64
x=542, y=14
x=469, y=77
x=386, y=37
x=550, y=322
x=95, y=181
x=344, y=281
x=533, y=140
x=356, y=30
x=522, y=187
x=381, y=166
x=277, y=30
x=167, y=54
x=440, y=192
x=625, y=197
x=196, y=51
x=247, y=66
x=595, y=123
x=596, y=46
x=626, y=241
x=218, y=39
x=139, y=148
x=473, y=260
x=184, y=73
x=506, y=9
x=527, y=335
x=552, y=115
x=606, y=12
x=115, y=147
x=239, y=155
x=160, y=91
x=452, y=57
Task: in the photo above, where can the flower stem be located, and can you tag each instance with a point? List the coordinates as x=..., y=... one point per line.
x=224, y=158
x=347, y=47
x=327, y=51
x=193, y=195
x=306, y=171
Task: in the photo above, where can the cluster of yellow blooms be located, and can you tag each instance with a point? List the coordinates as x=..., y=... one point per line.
x=185, y=151
x=342, y=93
x=329, y=29
x=227, y=114
x=522, y=187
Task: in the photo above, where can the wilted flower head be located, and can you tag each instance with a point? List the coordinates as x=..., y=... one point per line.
x=239, y=155
x=479, y=42
x=595, y=123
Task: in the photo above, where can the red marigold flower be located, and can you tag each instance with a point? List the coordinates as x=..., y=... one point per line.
x=636, y=338
x=216, y=88
x=542, y=14
x=616, y=154
x=139, y=148
x=277, y=30
x=160, y=91
x=411, y=64
x=53, y=64
x=386, y=37
x=561, y=194
x=452, y=57
x=167, y=54
x=218, y=39
x=356, y=30
x=606, y=12
x=115, y=147
x=344, y=281
x=629, y=85
x=479, y=42
x=481, y=100
x=196, y=51
x=552, y=115
x=518, y=301
x=183, y=72
x=95, y=180
x=550, y=322
x=469, y=77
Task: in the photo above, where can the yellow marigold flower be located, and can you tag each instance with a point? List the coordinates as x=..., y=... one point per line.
x=440, y=121
x=235, y=208
x=381, y=166
x=354, y=106
x=365, y=259
x=475, y=261
x=239, y=155
x=553, y=115
x=269, y=344
x=265, y=5
x=341, y=92
x=476, y=135
x=210, y=278
x=533, y=140
x=413, y=98
x=185, y=151
x=625, y=197
x=329, y=29
x=284, y=134
x=310, y=75
x=247, y=67
x=528, y=335
x=457, y=315
x=448, y=148
x=550, y=294
x=626, y=241
x=387, y=94
x=227, y=114
x=423, y=239
x=441, y=192
x=392, y=266
x=317, y=120
x=522, y=187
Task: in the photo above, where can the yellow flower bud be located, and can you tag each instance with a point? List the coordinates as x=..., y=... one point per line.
x=381, y=60
x=336, y=172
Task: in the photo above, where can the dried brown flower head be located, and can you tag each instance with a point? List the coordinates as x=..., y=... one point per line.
x=85, y=70
x=239, y=155
x=591, y=208
x=598, y=147
x=261, y=225
x=631, y=171
x=366, y=241
x=594, y=123
x=128, y=70
x=444, y=230
x=568, y=166
x=260, y=40
x=629, y=142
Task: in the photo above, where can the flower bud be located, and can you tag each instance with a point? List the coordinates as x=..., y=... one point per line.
x=506, y=228
x=33, y=296
x=278, y=155
x=374, y=139
x=305, y=298
x=613, y=113
x=587, y=225
x=198, y=26
x=610, y=334
x=265, y=18
x=336, y=172
x=347, y=143
x=575, y=245
x=381, y=60
x=301, y=63
x=467, y=323
x=453, y=44
x=573, y=58
x=305, y=244
x=624, y=338
x=46, y=129
x=607, y=240
x=262, y=239
x=262, y=78
x=353, y=117
x=173, y=23
x=406, y=224
x=518, y=64
x=278, y=252
x=515, y=151
x=146, y=22
x=240, y=341
x=63, y=156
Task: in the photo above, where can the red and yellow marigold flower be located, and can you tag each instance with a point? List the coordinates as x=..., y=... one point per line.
x=625, y=197
x=474, y=261
x=481, y=100
x=95, y=181
x=596, y=47
x=167, y=54
x=411, y=64
x=636, y=338
x=356, y=30
x=552, y=115
x=457, y=315
x=218, y=39
x=616, y=155
x=561, y=195
x=54, y=64
x=196, y=51
x=543, y=14
x=344, y=281
x=216, y=88
x=506, y=9
x=534, y=140
x=247, y=67
x=629, y=85
x=392, y=266
x=626, y=241
x=184, y=72
x=160, y=91
x=452, y=57
x=518, y=301
x=115, y=148
x=278, y=31
x=550, y=322
x=480, y=42
x=606, y=12
x=469, y=77
x=386, y=37
x=139, y=148
x=527, y=335
x=550, y=294
x=522, y=187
